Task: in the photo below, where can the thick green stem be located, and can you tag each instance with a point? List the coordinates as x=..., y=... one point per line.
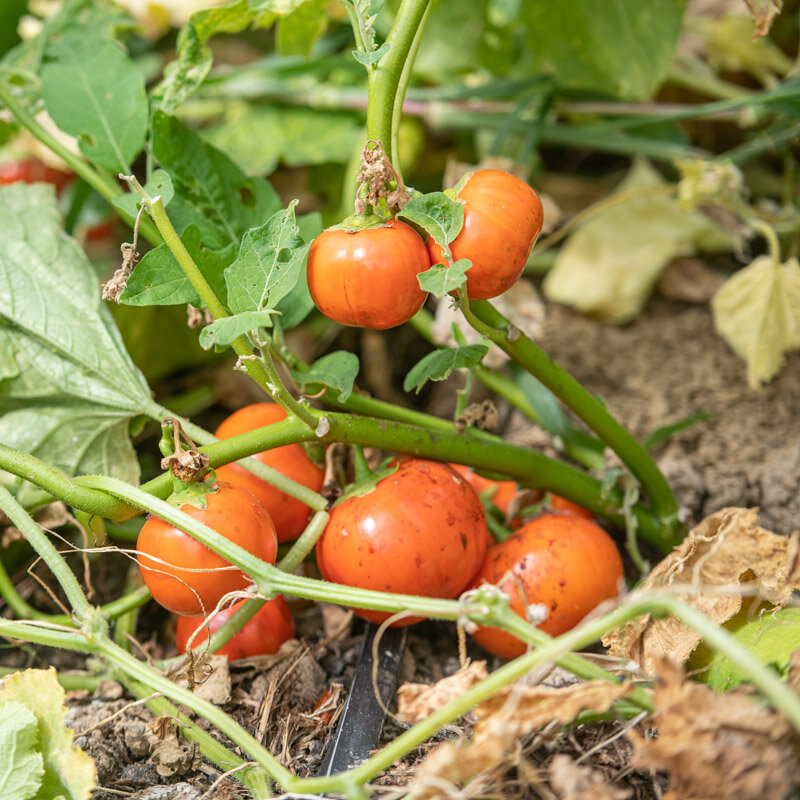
x=259, y=469
x=37, y=539
x=103, y=183
x=480, y=449
x=487, y=609
x=385, y=79
x=402, y=87
x=259, y=368
x=489, y=322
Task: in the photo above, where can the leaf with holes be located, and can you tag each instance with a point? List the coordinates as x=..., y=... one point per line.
x=93, y=91
x=268, y=265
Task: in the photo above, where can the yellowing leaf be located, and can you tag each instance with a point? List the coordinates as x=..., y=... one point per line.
x=757, y=312
x=68, y=771
x=608, y=267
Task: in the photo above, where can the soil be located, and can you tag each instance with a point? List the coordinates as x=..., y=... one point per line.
x=669, y=364
x=665, y=366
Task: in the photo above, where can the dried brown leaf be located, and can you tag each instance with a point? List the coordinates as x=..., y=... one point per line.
x=502, y=722
x=571, y=781
x=417, y=701
x=727, y=549
x=722, y=746
x=523, y=709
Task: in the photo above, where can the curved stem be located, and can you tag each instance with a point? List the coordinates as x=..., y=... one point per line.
x=261, y=470
x=489, y=322
x=480, y=449
x=49, y=554
x=305, y=543
x=385, y=79
x=260, y=369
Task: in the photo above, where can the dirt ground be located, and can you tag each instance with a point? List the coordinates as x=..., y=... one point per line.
x=669, y=364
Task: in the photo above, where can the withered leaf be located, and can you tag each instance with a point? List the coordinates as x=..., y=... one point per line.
x=573, y=781
x=764, y=11
x=727, y=549
x=417, y=701
x=722, y=746
x=608, y=267
x=757, y=312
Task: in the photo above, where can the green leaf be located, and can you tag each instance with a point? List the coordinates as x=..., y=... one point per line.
x=442, y=279
x=233, y=17
x=224, y=331
x=438, y=365
x=757, y=312
x=298, y=32
x=22, y=765
x=160, y=184
x=10, y=13
x=663, y=433
x=258, y=138
x=158, y=279
x=337, y=370
x=210, y=190
x=771, y=638
x=622, y=49
x=75, y=382
x=68, y=771
x=297, y=305
x=268, y=265
x=438, y=215
x=185, y=74
x=367, y=59
x=93, y=91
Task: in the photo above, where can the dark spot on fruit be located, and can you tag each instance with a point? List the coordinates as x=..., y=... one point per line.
x=464, y=541
x=451, y=518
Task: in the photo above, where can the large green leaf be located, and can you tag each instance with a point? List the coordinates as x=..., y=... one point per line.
x=268, y=265
x=622, y=49
x=211, y=191
x=72, y=383
x=93, y=91
x=258, y=138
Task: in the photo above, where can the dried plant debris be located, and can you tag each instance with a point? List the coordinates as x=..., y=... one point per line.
x=572, y=781
x=717, y=746
x=500, y=724
x=725, y=558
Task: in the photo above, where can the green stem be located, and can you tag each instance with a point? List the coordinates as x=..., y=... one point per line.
x=305, y=543
x=385, y=79
x=487, y=609
x=402, y=87
x=261, y=470
x=260, y=369
x=37, y=539
x=489, y=322
x=103, y=183
x=440, y=442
